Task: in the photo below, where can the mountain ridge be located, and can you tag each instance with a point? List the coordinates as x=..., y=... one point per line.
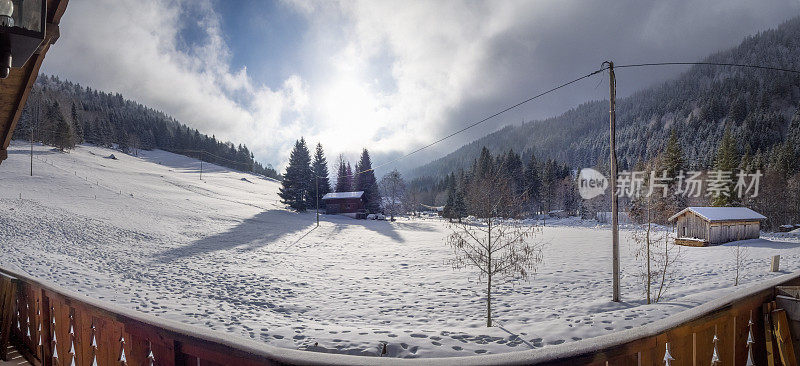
x=702, y=100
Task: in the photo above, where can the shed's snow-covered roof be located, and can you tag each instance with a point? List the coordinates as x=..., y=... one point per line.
x=722, y=213
x=343, y=195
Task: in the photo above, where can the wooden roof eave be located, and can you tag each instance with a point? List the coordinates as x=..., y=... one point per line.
x=15, y=89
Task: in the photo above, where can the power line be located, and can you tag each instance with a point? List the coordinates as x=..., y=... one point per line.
x=486, y=119
x=572, y=82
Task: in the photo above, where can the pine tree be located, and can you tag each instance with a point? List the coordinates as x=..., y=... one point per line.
x=485, y=166
x=672, y=160
x=77, y=124
x=549, y=180
x=783, y=160
x=320, y=170
x=512, y=166
x=533, y=182
x=746, y=163
x=366, y=182
x=351, y=180
x=793, y=135
x=727, y=161
x=449, y=211
x=343, y=178
x=294, y=189
x=353, y=173
x=460, y=204
x=64, y=137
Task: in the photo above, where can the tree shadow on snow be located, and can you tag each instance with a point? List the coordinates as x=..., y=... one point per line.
x=763, y=243
x=251, y=234
x=385, y=228
x=414, y=226
x=35, y=152
x=390, y=229
x=179, y=162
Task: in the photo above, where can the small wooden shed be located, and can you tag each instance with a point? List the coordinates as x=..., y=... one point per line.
x=348, y=203
x=716, y=225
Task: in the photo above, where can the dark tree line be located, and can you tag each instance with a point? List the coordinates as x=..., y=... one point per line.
x=535, y=185
x=778, y=195
x=63, y=114
x=546, y=185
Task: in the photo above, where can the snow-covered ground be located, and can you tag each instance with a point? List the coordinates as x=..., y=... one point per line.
x=148, y=234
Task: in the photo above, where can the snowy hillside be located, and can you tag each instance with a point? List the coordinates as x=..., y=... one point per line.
x=146, y=233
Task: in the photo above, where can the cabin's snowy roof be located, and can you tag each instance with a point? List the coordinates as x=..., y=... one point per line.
x=333, y=195
x=722, y=213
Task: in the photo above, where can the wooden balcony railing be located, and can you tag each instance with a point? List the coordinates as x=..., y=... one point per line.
x=54, y=326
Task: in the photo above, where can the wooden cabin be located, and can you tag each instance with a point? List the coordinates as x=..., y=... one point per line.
x=349, y=203
x=701, y=226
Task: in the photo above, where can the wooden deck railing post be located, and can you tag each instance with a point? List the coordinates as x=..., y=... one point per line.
x=47, y=330
x=180, y=357
x=8, y=293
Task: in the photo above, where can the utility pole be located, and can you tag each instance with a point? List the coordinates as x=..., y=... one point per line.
x=31, y=149
x=201, y=166
x=316, y=182
x=614, y=199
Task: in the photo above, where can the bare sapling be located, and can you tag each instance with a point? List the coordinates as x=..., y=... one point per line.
x=496, y=243
x=657, y=254
x=740, y=256
x=393, y=189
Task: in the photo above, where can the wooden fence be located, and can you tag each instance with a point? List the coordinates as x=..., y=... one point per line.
x=52, y=326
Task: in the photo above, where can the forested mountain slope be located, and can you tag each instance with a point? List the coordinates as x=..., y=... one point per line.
x=60, y=112
x=758, y=105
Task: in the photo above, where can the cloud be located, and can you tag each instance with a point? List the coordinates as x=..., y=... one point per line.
x=134, y=48
x=386, y=75
x=404, y=74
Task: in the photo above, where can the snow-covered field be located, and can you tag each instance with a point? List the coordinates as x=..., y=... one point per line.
x=148, y=234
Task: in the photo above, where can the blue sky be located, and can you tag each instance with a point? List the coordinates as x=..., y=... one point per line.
x=264, y=36
x=386, y=75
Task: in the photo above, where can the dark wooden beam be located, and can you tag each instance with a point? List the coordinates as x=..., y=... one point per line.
x=15, y=89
